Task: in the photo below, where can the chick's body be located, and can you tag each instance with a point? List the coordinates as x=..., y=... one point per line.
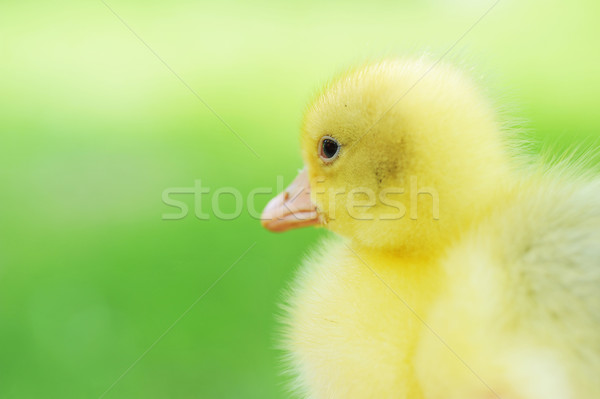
x=349, y=335
x=520, y=305
x=483, y=284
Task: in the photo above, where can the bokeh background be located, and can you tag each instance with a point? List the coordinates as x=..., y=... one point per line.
x=94, y=127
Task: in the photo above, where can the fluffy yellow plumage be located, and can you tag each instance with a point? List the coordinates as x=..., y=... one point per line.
x=460, y=274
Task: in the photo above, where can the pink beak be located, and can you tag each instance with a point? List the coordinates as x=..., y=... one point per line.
x=291, y=208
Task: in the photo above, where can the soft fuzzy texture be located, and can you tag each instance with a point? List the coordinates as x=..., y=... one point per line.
x=498, y=297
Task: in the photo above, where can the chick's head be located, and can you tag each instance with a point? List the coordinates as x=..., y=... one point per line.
x=401, y=154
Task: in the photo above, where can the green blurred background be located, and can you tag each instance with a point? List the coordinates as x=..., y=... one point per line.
x=94, y=127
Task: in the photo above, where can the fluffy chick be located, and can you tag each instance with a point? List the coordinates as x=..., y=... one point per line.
x=458, y=275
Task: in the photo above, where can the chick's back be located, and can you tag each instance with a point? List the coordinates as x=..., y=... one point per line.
x=520, y=315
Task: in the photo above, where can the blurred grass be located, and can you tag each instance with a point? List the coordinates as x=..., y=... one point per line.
x=94, y=128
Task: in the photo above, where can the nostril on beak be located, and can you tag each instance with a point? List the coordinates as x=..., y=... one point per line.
x=292, y=207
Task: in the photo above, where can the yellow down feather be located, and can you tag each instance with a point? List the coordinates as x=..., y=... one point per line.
x=487, y=286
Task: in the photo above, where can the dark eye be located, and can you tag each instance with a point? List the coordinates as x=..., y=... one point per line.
x=328, y=149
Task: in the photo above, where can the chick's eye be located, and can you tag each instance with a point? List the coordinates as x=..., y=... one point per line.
x=328, y=149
